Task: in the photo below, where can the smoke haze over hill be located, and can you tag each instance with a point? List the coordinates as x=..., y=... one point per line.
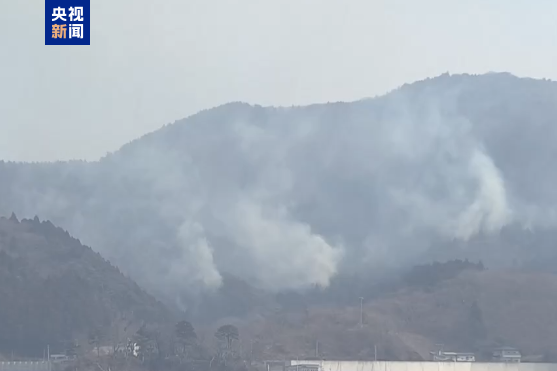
x=289, y=197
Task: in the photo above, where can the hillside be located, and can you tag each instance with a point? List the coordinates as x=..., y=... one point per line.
x=289, y=198
x=475, y=311
x=54, y=290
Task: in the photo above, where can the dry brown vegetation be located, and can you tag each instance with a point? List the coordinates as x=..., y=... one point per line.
x=53, y=287
x=515, y=309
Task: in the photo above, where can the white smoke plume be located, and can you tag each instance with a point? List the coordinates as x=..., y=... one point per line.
x=288, y=198
x=489, y=211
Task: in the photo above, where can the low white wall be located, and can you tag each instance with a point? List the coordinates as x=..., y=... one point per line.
x=427, y=366
x=24, y=366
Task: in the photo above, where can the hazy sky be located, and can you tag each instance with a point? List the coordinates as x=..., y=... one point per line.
x=152, y=62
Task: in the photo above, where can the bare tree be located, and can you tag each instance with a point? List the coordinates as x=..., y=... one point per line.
x=228, y=333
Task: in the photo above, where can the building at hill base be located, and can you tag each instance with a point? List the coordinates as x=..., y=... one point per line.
x=331, y=365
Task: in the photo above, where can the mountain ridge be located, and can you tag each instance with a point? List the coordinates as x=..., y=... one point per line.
x=55, y=290
x=290, y=197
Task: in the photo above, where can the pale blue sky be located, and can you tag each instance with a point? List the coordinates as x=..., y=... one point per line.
x=152, y=62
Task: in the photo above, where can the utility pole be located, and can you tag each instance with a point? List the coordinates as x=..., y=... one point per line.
x=375, y=352
x=251, y=352
x=361, y=311
x=317, y=349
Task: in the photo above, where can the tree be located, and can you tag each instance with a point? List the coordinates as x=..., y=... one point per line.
x=150, y=343
x=185, y=332
x=13, y=218
x=143, y=340
x=228, y=333
x=185, y=335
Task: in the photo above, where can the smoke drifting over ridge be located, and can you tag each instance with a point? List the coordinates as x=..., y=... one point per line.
x=289, y=197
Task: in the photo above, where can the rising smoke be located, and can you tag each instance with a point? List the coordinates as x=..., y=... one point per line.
x=283, y=197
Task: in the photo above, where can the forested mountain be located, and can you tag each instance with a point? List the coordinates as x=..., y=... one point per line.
x=289, y=198
x=54, y=290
